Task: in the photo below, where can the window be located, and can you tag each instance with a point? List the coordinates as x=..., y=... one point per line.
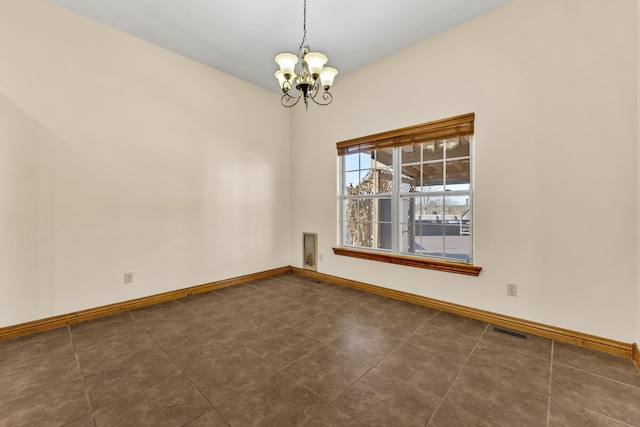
x=409, y=191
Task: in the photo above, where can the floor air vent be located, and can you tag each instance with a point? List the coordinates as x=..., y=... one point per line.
x=508, y=332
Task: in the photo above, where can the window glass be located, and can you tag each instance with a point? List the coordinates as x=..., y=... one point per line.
x=458, y=176
x=457, y=147
x=368, y=223
x=431, y=151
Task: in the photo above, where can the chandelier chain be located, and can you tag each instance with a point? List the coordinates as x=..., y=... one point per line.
x=304, y=28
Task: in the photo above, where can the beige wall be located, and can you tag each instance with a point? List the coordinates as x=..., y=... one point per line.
x=553, y=84
x=119, y=156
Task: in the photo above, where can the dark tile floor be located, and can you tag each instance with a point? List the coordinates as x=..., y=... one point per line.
x=293, y=351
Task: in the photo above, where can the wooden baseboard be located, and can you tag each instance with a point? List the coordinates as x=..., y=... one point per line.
x=585, y=340
x=92, y=313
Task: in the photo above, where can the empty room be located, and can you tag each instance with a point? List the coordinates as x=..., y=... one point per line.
x=319, y=213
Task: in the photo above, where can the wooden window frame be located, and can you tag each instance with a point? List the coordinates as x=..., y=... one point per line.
x=453, y=127
x=410, y=261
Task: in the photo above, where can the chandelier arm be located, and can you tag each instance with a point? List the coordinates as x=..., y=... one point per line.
x=289, y=101
x=314, y=90
x=326, y=98
x=286, y=87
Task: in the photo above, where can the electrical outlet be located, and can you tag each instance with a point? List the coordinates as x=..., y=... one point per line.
x=128, y=277
x=512, y=289
x=321, y=257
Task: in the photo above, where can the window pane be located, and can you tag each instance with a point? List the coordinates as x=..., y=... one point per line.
x=411, y=178
x=417, y=212
x=458, y=175
x=369, y=234
x=383, y=181
x=384, y=235
x=384, y=230
x=351, y=181
x=458, y=228
x=358, y=234
x=367, y=159
x=384, y=158
x=368, y=223
x=411, y=153
x=457, y=246
x=458, y=147
x=350, y=211
x=422, y=210
x=407, y=184
x=432, y=209
x=431, y=151
x=427, y=240
x=349, y=234
x=407, y=211
x=365, y=185
x=432, y=177
x=368, y=181
x=457, y=209
x=365, y=210
x=352, y=162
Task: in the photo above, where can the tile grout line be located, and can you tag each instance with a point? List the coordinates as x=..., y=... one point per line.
x=466, y=360
x=580, y=370
x=401, y=341
x=319, y=344
x=141, y=325
x=607, y=417
x=598, y=375
x=84, y=386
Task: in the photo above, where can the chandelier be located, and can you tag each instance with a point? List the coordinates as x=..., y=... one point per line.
x=309, y=78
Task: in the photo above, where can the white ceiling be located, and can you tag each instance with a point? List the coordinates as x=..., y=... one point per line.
x=242, y=38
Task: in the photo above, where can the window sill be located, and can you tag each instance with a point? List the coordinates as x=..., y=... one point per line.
x=431, y=264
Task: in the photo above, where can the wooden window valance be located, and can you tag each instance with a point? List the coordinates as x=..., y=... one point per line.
x=453, y=127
